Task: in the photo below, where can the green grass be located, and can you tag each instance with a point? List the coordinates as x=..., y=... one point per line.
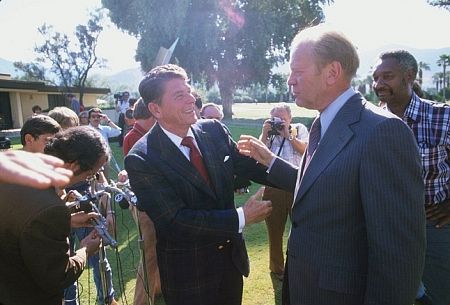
x=259, y=288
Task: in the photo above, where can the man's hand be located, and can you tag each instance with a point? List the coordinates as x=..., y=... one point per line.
x=254, y=148
x=91, y=243
x=265, y=130
x=82, y=219
x=33, y=169
x=256, y=209
x=439, y=212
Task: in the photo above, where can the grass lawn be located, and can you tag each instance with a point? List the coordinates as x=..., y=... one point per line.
x=259, y=288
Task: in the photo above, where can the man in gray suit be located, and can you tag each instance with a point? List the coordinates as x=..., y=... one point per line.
x=358, y=222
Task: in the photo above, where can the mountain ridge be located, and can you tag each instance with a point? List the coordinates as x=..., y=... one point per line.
x=129, y=79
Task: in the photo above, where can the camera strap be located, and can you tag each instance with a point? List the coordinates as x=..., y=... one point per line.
x=281, y=147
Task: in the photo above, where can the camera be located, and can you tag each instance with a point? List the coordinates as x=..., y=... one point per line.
x=276, y=125
x=5, y=143
x=118, y=95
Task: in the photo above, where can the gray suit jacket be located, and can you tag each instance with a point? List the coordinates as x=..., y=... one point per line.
x=358, y=222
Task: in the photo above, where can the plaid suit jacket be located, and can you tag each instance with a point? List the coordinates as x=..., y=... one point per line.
x=191, y=219
x=358, y=223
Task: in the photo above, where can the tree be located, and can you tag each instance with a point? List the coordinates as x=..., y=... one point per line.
x=69, y=64
x=422, y=66
x=233, y=43
x=440, y=3
x=444, y=61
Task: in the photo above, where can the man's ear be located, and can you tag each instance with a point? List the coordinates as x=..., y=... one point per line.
x=28, y=139
x=410, y=76
x=154, y=110
x=334, y=72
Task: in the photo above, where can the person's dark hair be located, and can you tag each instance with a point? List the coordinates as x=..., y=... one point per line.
x=152, y=85
x=405, y=59
x=198, y=100
x=129, y=113
x=132, y=101
x=81, y=144
x=36, y=108
x=38, y=125
x=417, y=89
x=92, y=110
x=141, y=111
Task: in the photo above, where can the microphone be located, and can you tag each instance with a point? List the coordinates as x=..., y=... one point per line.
x=84, y=203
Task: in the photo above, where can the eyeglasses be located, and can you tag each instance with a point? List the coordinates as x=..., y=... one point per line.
x=96, y=116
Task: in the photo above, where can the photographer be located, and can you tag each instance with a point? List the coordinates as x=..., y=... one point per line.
x=35, y=262
x=122, y=104
x=103, y=124
x=289, y=142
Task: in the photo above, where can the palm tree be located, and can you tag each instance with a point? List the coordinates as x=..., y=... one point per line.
x=437, y=79
x=422, y=66
x=444, y=61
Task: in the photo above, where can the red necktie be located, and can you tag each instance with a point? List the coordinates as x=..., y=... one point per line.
x=196, y=157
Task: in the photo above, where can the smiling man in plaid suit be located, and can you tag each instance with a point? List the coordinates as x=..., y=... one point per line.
x=201, y=252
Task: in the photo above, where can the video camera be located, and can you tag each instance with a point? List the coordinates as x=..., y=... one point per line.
x=276, y=125
x=118, y=95
x=5, y=143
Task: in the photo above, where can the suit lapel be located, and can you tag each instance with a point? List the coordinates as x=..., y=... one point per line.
x=208, y=150
x=174, y=158
x=334, y=140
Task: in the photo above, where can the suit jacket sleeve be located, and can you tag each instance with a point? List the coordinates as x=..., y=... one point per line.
x=283, y=175
x=395, y=220
x=45, y=250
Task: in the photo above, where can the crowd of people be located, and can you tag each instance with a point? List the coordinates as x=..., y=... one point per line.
x=366, y=188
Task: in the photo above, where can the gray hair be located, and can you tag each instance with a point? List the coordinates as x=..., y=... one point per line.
x=327, y=46
x=282, y=106
x=405, y=59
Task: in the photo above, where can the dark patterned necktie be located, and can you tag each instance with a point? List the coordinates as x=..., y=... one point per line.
x=196, y=158
x=314, y=138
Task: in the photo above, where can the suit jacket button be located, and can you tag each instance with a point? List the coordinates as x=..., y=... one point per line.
x=220, y=247
x=294, y=224
x=228, y=241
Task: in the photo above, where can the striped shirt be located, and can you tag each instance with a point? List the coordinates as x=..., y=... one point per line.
x=430, y=123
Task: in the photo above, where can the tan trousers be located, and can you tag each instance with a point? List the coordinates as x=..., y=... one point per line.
x=276, y=222
x=149, y=236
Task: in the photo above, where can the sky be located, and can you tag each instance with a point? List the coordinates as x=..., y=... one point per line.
x=368, y=23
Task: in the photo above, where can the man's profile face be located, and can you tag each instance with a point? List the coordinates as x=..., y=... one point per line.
x=37, y=145
x=390, y=82
x=176, y=111
x=307, y=82
x=79, y=175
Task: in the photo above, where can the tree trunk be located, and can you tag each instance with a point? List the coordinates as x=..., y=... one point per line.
x=226, y=94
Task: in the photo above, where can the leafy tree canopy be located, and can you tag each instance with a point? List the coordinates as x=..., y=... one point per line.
x=440, y=3
x=63, y=63
x=232, y=42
